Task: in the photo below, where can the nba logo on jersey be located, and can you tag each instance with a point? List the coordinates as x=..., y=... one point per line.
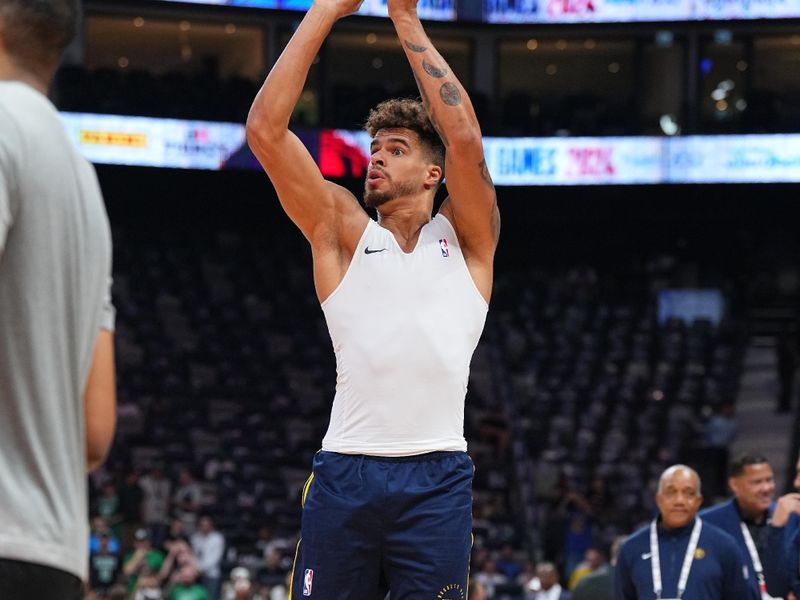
x=308, y=581
x=443, y=246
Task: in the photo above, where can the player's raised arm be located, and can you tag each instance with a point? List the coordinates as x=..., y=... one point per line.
x=472, y=205
x=306, y=197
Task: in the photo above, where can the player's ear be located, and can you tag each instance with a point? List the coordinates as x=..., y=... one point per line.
x=434, y=177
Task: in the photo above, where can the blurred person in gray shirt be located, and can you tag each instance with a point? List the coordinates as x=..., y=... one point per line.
x=57, y=389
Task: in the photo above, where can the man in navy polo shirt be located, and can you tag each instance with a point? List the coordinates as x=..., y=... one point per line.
x=678, y=555
x=745, y=517
x=782, y=553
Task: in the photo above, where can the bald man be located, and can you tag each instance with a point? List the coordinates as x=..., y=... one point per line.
x=782, y=553
x=678, y=555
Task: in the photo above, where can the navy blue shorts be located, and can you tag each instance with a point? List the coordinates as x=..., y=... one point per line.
x=408, y=518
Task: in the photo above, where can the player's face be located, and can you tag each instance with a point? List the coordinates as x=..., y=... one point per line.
x=754, y=488
x=679, y=499
x=397, y=166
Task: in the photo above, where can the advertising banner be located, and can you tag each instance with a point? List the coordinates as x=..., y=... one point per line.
x=441, y=10
x=623, y=11
x=562, y=11
x=746, y=9
x=734, y=159
x=344, y=154
x=143, y=141
x=574, y=161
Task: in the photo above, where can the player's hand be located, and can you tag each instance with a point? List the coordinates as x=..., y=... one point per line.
x=788, y=504
x=401, y=7
x=340, y=8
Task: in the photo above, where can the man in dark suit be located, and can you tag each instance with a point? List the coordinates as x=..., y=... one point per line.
x=746, y=516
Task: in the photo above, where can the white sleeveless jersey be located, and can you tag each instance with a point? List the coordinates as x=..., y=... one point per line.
x=404, y=327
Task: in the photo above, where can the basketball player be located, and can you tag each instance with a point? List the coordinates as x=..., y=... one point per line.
x=405, y=299
x=57, y=399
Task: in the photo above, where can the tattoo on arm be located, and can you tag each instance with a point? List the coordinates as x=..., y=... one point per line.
x=487, y=177
x=427, y=105
x=415, y=48
x=433, y=71
x=450, y=94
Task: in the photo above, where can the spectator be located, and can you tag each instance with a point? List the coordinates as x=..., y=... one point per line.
x=104, y=566
x=156, y=489
x=118, y=592
x=489, y=578
x=508, y=564
x=716, y=568
x=99, y=528
x=107, y=505
x=267, y=541
x=239, y=586
x=209, y=545
x=548, y=586
x=593, y=559
x=177, y=533
x=179, y=555
x=576, y=512
x=275, y=570
x=186, y=586
x=527, y=575
x=143, y=561
x=148, y=588
x=186, y=500
x=599, y=585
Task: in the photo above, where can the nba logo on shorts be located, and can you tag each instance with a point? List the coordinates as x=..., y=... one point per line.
x=443, y=246
x=308, y=580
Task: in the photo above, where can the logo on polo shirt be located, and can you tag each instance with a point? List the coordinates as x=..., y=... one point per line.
x=451, y=592
x=699, y=553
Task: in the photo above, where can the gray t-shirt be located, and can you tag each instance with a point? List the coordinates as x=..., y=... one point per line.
x=55, y=268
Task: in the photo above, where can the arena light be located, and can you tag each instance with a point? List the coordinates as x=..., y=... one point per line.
x=669, y=125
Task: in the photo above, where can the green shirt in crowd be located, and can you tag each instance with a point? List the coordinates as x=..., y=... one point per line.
x=189, y=592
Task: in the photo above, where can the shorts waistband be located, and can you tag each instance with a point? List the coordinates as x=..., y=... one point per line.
x=425, y=457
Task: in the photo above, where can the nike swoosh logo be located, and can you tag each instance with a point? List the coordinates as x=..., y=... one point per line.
x=646, y=555
x=368, y=251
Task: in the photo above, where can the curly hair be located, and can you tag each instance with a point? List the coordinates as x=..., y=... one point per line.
x=36, y=32
x=408, y=114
